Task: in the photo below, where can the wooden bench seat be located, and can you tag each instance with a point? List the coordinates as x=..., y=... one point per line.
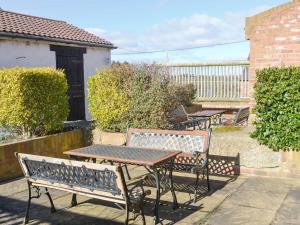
x=105, y=182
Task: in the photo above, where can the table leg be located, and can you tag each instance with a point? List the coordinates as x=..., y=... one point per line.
x=175, y=203
x=157, y=200
x=74, y=200
x=220, y=119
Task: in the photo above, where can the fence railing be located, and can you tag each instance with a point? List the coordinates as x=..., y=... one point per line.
x=228, y=81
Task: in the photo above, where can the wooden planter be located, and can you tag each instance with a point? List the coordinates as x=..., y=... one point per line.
x=52, y=145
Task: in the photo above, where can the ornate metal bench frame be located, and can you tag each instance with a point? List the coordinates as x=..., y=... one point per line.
x=105, y=182
x=193, y=144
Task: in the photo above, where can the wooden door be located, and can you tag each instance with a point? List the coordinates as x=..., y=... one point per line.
x=70, y=59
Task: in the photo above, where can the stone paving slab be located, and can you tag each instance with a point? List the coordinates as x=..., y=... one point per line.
x=260, y=201
x=13, y=198
x=239, y=201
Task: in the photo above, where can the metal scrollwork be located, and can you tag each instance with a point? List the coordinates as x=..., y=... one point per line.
x=104, y=180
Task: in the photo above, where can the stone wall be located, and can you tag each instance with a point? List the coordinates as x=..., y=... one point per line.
x=53, y=145
x=274, y=39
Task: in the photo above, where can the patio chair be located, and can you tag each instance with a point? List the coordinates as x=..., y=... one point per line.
x=181, y=121
x=240, y=118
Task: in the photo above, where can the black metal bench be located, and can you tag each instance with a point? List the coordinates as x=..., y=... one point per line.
x=105, y=182
x=240, y=118
x=193, y=144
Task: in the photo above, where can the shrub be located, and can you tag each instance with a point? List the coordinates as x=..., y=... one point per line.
x=277, y=93
x=184, y=94
x=107, y=96
x=33, y=99
x=152, y=98
x=134, y=96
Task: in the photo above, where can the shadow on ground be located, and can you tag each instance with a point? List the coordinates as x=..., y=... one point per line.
x=223, y=169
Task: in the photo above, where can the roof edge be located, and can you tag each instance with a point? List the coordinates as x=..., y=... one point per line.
x=252, y=21
x=58, y=40
x=23, y=14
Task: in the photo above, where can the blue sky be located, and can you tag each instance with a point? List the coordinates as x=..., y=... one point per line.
x=135, y=25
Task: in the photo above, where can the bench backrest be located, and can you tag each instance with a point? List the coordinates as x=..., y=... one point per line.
x=104, y=181
x=242, y=115
x=186, y=141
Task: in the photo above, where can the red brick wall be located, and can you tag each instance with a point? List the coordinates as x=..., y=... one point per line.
x=275, y=40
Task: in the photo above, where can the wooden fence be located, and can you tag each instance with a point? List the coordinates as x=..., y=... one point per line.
x=226, y=81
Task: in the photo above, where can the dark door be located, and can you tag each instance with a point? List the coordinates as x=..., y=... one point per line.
x=70, y=59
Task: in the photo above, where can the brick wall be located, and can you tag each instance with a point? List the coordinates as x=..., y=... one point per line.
x=274, y=39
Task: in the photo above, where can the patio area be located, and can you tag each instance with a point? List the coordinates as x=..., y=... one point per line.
x=232, y=200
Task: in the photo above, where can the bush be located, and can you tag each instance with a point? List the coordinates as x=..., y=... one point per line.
x=134, y=96
x=277, y=93
x=108, y=98
x=33, y=99
x=184, y=94
x=152, y=98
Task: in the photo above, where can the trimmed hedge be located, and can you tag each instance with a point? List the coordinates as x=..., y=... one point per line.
x=277, y=94
x=33, y=99
x=108, y=101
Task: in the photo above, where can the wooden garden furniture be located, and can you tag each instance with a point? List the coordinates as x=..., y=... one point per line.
x=159, y=163
x=193, y=144
x=105, y=182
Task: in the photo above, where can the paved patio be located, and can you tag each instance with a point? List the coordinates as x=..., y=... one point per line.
x=233, y=200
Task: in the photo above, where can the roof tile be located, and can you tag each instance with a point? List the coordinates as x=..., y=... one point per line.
x=16, y=23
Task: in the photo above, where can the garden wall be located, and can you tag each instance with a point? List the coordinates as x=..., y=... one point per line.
x=52, y=145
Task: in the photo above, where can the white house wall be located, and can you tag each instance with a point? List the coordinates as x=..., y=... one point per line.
x=25, y=53
x=37, y=54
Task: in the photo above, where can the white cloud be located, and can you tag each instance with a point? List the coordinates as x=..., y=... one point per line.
x=186, y=32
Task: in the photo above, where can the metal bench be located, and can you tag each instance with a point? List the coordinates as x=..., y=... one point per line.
x=240, y=118
x=193, y=144
x=105, y=182
x=181, y=121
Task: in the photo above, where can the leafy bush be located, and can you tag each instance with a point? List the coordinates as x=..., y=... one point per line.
x=134, y=96
x=184, y=94
x=277, y=93
x=108, y=100
x=152, y=98
x=33, y=99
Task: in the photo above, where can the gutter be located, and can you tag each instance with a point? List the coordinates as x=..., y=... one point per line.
x=58, y=40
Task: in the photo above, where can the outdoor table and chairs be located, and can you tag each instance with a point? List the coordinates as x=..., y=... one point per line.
x=214, y=117
x=159, y=164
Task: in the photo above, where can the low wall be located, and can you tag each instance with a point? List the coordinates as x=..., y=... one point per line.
x=52, y=145
x=234, y=144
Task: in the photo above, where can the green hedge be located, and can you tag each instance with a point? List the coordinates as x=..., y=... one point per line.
x=277, y=94
x=134, y=96
x=33, y=99
x=108, y=101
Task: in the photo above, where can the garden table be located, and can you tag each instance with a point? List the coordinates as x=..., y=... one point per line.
x=158, y=162
x=214, y=116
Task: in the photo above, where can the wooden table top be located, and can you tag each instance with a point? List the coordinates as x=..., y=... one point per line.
x=206, y=113
x=123, y=154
